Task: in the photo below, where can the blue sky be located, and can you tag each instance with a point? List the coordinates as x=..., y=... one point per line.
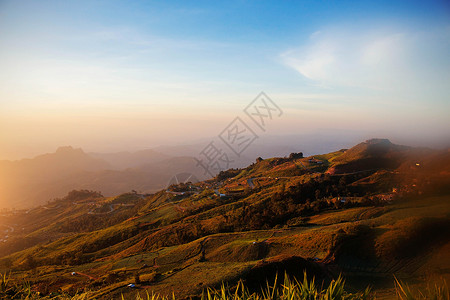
x=135, y=74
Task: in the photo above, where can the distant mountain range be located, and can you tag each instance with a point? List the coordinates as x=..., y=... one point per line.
x=30, y=182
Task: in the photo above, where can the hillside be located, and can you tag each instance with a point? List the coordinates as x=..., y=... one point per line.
x=340, y=212
x=29, y=182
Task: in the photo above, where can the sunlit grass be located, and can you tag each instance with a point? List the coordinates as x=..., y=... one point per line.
x=434, y=292
x=288, y=289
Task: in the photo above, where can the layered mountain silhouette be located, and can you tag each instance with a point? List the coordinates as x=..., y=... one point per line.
x=31, y=182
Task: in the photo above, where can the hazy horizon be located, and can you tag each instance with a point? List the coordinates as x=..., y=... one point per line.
x=327, y=146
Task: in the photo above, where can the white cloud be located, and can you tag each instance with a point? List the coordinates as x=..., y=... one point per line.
x=382, y=50
x=385, y=59
x=314, y=63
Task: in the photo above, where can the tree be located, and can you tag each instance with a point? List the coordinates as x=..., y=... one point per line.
x=296, y=155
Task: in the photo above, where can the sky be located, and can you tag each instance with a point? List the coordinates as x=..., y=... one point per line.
x=125, y=75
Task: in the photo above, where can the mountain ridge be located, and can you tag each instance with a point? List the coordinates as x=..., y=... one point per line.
x=274, y=212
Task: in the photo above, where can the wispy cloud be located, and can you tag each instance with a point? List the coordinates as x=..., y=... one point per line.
x=390, y=60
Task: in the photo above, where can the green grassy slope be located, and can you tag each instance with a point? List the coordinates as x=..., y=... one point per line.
x=278, y=215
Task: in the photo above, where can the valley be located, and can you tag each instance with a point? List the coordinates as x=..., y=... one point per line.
x=368, y=212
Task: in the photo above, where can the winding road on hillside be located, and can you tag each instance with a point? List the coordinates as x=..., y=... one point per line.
x=111, y=209
x=7, y=232
x=252, y=185
x=10, y=229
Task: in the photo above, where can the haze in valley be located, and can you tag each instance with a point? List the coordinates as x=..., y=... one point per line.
x=137, y=90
